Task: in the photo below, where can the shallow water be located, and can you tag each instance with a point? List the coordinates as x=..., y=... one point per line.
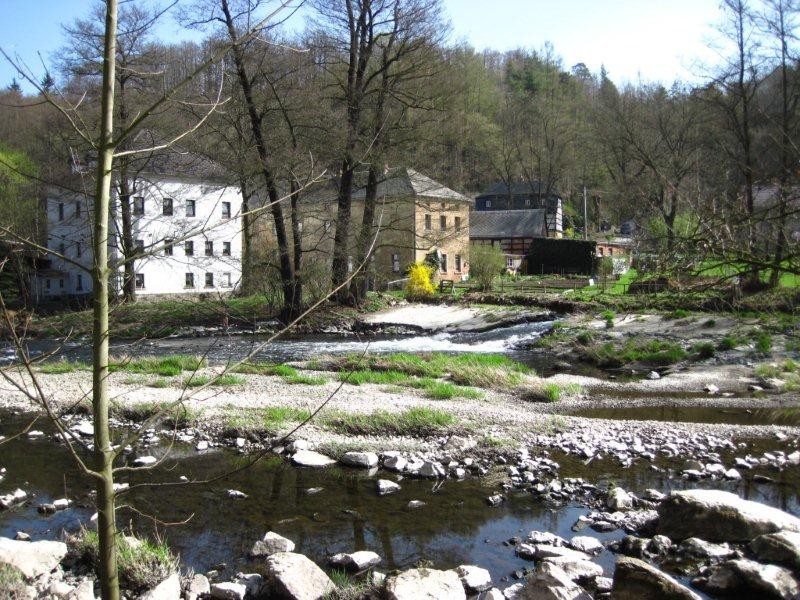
x=695, y=414
x=455, y=527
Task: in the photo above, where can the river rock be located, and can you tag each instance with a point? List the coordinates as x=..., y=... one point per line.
x=32, y=558
x=576, y=570
x=493, y=594
x=296, y=577
x=474, y=578
x=425, y=584
x=270, y=544
x=309, y=458
x=586, y=543
x=749, y=579
x=169, y=589
x=414, y=504
x=228, y=590
x=542, y=551
x=84, y=428
x=619, y=499
x=635, y=579
x=366, y=460
x=718, y=516
x=144, y=461
x=395, y=463
x=432, y=469
x=387, y=487
x=782, y=548
x=546, y=537
x=703, y=549
x=197, y=587
x=550, y=582
x=356, y=561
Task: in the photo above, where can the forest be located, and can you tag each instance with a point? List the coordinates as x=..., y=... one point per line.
x=706, y=170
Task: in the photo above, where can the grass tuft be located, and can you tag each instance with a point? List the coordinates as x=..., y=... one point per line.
x=167, y=366
x=12, y=583
x=653, y=352
x=268, y=418
x=415, y=422
x=142, y=564
x=63, y=366
x=215, y=380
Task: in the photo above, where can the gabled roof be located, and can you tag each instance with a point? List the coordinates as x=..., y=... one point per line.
x=507, y=224
x=404, y=183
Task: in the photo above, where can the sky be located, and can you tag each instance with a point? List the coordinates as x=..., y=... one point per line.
x=647, y=40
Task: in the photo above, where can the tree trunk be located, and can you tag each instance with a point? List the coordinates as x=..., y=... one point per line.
x=247, y=239
x=341, y=245
x=103, y=452
x=360, y=284
x=292, y=298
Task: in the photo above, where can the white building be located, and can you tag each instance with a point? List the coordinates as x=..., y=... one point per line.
x=189, y=230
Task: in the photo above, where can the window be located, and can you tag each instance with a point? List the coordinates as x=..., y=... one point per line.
x=78, y=250
x=60, y=211
x=509, y=262
x=61, y=284
x=209, y=280
x=168, y=248
x=77, y=208
x=527, y=201
x=349, y=264
x=458, y=263
x=443, y=264
x=188, y=248
x=188, y=281
x=79, y=282
x=190, y=208
x=139, y=246
x=488, y=203
x=209, y=248
x=395, y=263
x=427, y=222
x=600, y=250
x=226, y=210
x=458, y=223
x=61, y=249
x=138, y=206
x=166, y=207
x=226, y=248
x=47, y=284
x=139, y=281
x=226, y=280
x=443, y=222
x=611, y=252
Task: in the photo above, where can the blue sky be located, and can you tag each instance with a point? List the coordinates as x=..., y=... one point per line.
x=654, y=40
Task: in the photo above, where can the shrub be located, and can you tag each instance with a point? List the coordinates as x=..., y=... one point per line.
x=420, y=281
x=729, y=342
x=678, y=313
x=584, y=338
x=485, y=264
x=12, y=583
x=710, y=323
x=608, y=316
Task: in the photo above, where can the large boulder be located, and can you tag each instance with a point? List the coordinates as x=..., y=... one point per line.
x=309, y=458
x=366, y=460
x=425, y=584
x=228, y=590
x=749, y=579
x=635, y=579
x=550, y=582
x=32, y=558
x=270, y=544
x=355, y=561
x=718, y=516
x=782, y=548
x=169, y=589
x=296, y=577
x=474, y=578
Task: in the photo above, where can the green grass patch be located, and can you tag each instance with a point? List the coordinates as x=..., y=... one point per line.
x=142, y=564
x=544, y=391
x=179, y=414
x=419, y=421
x=584, y=338
x=268, y=418
x=608, y=316
x=730, y=342
x=652, y=352
x=226, y=380
x=369, y=376
x=678, y=313
x=289, y=374
x=763, y=341
x=167, y=366
x=788, y=372
x=63, y=366
x=476, y=370
x=704, y=350
x=443, y=390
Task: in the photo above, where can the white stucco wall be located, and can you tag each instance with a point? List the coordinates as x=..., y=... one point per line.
x=162, y=273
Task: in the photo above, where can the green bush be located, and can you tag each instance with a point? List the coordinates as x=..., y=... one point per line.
x=704, y=350
x=486, y=263
x=729, y=342
x=763, y=342
x=608, y=316
x=584, y=338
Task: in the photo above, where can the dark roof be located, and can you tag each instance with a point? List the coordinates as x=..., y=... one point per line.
x=507, y=224
x=519, y=188
x=174, y=160
x=402, y=183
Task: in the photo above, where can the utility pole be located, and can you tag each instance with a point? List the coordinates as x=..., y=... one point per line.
x=585, y=217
